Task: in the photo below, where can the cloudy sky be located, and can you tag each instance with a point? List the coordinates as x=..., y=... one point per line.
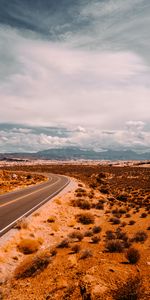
x=74, y=73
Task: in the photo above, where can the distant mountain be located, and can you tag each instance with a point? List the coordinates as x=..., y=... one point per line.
x=76, y=153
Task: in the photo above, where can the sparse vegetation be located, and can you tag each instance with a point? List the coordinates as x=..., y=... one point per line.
x=28, y=246
x=64, y=243
x=96, y=229
x=76, y=235
x=32, y=265
x=140, y=236
x=85, y=218
x=76, y=248
x=51, y=219
x=132, y=255
x=85, y=254
x=114, y=246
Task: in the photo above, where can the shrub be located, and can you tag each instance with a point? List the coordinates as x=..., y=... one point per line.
x=76, y=235
x=132, y=255
x=95, y=239
x=99, y=205
x=140, y=236
x=51, y=219
x=86, y=253
x=85, y=218
x=115, y=221
x=28, y=246
x=122, y=211
x=32, y=265
x=76, y=248
x=131, y=222
x=129, y=290
x=127, y=215
x=63, y=244
x=96, y=229
x=88, y=233
x=110, y=235
x=143, y=215
x=104, y=190
x=114, y=246
x=121, y=235
x=148, y=228
x=122, y=197
x=81, y=203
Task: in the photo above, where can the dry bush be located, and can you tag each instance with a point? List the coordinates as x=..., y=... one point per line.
x=127, y=215
x=122, y=197
x=86, y=253
x=132, y=255
x=76, y=248
x=114, y=246
x=80, y=190
x=32, y=265
x=122, y=211
x=28, y=246
x=81, y=203
x=63, y=244
x=121, y=235
x=88, y=233
x=99, y=205
x=51, y=219
x=96, y=229
x=115, y=221
x=76, y=235
x=21, y=224
x=95, y=239
x=104, y=190
x=131, y=289
x=140, y=236
x=85, y=218
x=110, y=235
x=132, y=222
x=143, y=215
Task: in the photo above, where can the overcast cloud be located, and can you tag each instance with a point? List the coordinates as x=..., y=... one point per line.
x=82, y=68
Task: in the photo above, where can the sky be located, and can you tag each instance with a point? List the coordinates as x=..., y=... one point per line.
x=74, y=73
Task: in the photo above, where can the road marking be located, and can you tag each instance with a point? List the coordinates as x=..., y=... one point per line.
x=34, y=208
x=13, y=201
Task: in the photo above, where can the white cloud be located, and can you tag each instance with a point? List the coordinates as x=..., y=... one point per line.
x=56, y=84
x=20, y=140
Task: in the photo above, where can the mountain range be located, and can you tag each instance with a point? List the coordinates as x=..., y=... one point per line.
x=75, y=153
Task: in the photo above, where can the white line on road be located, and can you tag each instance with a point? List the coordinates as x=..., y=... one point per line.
x=33, y=208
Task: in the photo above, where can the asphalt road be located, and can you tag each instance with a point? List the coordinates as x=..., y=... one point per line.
x=18, y=204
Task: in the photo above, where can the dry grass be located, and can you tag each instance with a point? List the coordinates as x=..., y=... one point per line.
x=85, y=218
x=133, y=255
x=32, y=265
x=28, y=246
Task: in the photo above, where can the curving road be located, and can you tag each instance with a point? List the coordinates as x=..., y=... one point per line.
x=18, y=204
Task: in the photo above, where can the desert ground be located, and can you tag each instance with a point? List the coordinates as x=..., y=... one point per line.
x=89, y=242
x=10, y=181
